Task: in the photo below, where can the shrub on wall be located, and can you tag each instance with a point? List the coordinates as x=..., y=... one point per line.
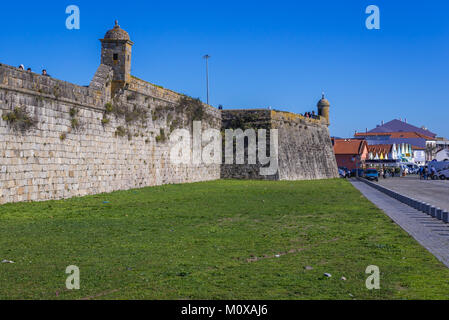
x=56, y=91
x=105, y=120
x=74, y=122
x=119, y=110
x=137, y=113
x=19, y=120
x=192, y=108
x=120, y=131
x=161, y=137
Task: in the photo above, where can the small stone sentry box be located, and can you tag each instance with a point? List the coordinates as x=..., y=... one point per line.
x=116, y=53
x=323, y=108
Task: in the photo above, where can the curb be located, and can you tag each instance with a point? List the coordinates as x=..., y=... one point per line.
x=416, y=204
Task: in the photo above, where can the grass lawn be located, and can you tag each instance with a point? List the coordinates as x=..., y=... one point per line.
x=223, y=239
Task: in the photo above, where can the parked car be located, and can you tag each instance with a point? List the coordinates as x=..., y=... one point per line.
x=354, y=174
x=444, y=174
x=412, y=168
x=345, y=172
x=372, y=174
x=438, y=165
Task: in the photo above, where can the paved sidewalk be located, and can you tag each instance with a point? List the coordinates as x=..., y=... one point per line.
x=431, y=233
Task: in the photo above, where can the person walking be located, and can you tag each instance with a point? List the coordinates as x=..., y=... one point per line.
x=433, y=173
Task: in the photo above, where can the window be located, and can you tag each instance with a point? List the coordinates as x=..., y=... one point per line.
x=115, y=57
x=128, y=57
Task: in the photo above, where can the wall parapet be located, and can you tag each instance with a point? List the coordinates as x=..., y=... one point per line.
x=297, y=118
x=45, y=86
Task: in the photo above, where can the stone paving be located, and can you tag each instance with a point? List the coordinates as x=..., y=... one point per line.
x=434, y=192
x=431, y=233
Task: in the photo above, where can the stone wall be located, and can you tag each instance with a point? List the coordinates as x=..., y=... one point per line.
x=245, y=119
x=75, y=145
x=59, y=140
x=304, y=149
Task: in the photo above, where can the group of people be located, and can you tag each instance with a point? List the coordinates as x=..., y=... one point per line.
x=389, y=172
x=44, y=72
x=425, y=173
x=310, y=115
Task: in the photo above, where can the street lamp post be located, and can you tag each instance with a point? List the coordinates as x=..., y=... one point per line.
x=207, y=75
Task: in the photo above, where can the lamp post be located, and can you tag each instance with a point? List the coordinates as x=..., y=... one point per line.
x=207, y=75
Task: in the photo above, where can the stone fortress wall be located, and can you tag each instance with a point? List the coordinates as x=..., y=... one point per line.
x=304, y=150
x=55, y=159
x=305, y=147
x=60, y=140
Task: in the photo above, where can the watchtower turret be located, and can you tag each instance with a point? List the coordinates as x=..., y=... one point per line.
x=116, y=53
x=323, y=108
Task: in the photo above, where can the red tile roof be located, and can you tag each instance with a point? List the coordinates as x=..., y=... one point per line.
x=366, y=134
x=348, y=146
x=405, y=135
x=380, y=148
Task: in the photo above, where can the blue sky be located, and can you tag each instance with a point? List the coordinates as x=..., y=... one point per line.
x=263, y=53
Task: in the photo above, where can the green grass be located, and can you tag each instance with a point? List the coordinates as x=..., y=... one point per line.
x=214, y=240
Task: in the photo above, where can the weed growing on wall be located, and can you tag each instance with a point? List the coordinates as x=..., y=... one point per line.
x=192, y=108
x=56, y=91
x=105, y=120
x=161, y=137
x=74, y=121
x=178, y=115
x=187, y=108
x=130, y=115
x=120, y=131
x=19, y=120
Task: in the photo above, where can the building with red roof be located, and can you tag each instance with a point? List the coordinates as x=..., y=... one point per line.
x=350, y=153
x=412, y=144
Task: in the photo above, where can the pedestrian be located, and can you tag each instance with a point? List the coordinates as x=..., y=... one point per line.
x=21, y=67
x=29, y=69
x=433, y=173
x=44, y=73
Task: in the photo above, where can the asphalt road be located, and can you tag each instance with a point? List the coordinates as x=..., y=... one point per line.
x=434, y=192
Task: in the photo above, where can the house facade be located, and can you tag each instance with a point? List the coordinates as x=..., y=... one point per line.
x=408, y=143
x=350, y=153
